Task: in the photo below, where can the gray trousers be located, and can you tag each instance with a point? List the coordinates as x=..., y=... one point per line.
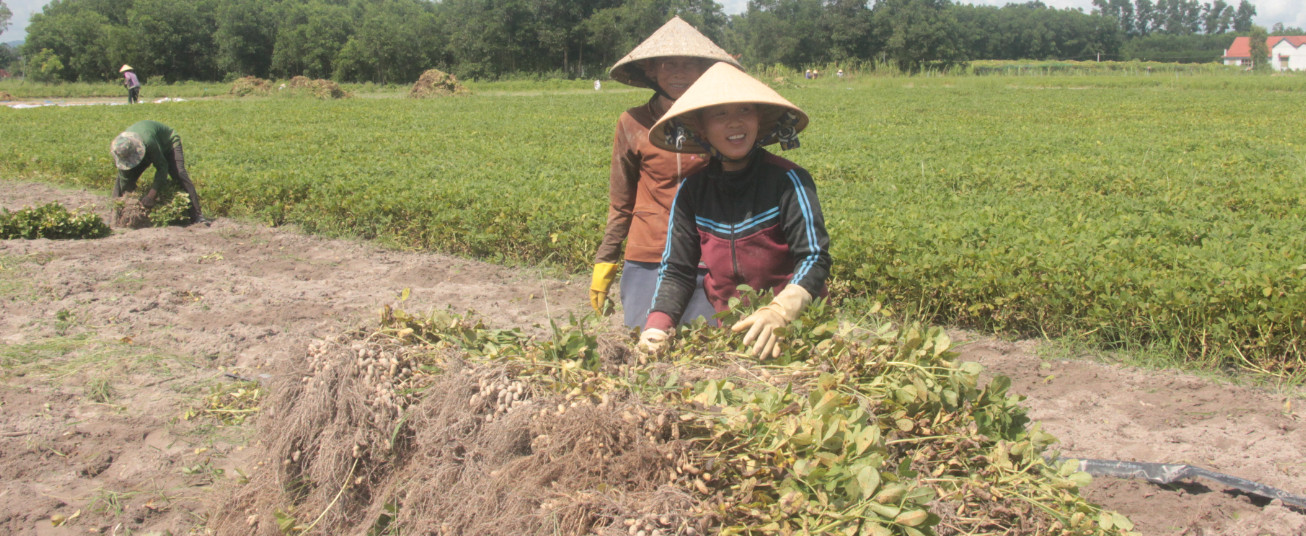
x=639, y=279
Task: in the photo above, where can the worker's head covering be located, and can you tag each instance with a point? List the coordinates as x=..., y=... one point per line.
x=125, y=68
x=128, y=149
x=675, y=38
x=778, y=120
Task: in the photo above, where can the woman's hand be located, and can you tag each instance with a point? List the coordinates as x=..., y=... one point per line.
x=653, y=342
x=761, y=325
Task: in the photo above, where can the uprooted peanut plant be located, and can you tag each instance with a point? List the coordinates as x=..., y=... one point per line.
x=436, y=424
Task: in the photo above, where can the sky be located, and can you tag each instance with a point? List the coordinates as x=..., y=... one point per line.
x=1290, y=12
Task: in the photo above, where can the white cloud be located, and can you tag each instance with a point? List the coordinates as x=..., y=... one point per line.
x=22, y=10
x=1289, y=12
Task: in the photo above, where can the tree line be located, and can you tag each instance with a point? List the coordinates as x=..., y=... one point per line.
x=394, y=41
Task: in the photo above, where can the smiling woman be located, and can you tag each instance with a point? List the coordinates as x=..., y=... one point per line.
x=731, y=129
x=644, y=177
x=750, y=218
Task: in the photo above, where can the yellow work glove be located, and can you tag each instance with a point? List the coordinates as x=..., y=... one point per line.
x=761, y=325
x=652, y=342
x=604, y=274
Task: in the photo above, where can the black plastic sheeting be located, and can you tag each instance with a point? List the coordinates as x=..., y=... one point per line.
x=1166, y=473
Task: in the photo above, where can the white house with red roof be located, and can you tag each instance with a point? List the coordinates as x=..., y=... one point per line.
x=1287, y=52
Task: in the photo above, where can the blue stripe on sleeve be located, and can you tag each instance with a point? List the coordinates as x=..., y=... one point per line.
x=805, y=205
x=666, y=249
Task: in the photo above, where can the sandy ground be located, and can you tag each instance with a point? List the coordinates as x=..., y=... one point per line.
x=109, y=346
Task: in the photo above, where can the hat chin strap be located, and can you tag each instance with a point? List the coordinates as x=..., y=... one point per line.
x=677, y=134
x=747, y=156
x=723, y=158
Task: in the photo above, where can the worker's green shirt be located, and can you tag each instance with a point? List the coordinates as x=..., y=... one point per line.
x=159, y=140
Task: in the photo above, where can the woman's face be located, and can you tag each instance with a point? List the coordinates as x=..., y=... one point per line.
x=732, y=131
x=674, y=74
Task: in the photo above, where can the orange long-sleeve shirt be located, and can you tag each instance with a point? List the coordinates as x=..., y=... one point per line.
x=641, y=186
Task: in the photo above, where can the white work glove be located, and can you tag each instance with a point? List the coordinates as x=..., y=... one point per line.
x=652, y=342
x=761, y=325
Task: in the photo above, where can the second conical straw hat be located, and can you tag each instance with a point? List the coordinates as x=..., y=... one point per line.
x=778, y=119
x=675, y=38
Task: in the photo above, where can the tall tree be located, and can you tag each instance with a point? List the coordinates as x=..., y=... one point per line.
x=5, y=15
x=1193, y=16
x=1211, y=19
x=917, y=34
x=394, y=43
x=1280, y=28
x=76, y=34
x=491, y=38
x=1144, y=16
x=1125, y=14
x=1260, y=52
x=1242, y=18
x=7, y=56
x=245, y=37
x=309, y=36
x=848, y=23
x=174, y=39
x=562, y=33
x=1121, y=10
x=782, y=32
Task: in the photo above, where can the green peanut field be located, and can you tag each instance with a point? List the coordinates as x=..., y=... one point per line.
x=1163, y=212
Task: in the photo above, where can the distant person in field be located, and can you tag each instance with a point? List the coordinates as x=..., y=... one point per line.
x=644, y=178
x=151, y=143
x=750, y=217
x=132, y=83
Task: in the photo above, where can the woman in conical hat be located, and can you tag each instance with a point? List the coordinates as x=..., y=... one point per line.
x=643, y=177
x=750, y=216
x=132, y=83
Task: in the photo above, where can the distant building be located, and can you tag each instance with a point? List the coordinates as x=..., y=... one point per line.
x=1287, y=52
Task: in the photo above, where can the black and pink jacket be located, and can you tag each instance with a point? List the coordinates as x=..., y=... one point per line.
x=761, y=226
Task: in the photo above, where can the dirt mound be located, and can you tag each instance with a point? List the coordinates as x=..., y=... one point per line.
x=437, y=83
x=299, y=85
x=251, y=85
x=326, y=89
x=132, y=214
x=320, y=88
x=5, y=96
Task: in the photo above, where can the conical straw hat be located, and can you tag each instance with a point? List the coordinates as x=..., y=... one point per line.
x=778, y=119
x=675, y=38
x=125, y=68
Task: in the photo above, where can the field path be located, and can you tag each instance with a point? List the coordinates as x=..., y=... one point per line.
x=107, y=347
